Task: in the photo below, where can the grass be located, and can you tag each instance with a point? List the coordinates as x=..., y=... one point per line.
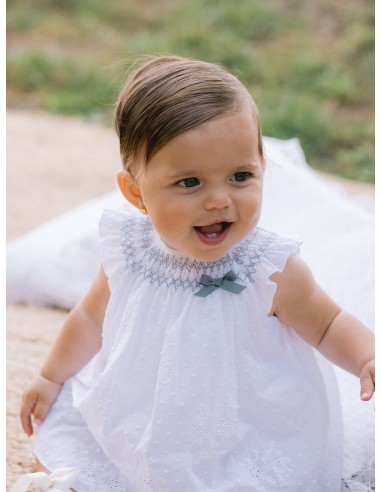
x=309, y=65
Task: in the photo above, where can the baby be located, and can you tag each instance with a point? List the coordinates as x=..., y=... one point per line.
x=190, y=365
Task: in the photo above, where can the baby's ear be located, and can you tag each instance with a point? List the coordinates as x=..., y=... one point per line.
x=129, y=188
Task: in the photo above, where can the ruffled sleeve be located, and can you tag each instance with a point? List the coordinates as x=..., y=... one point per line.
x=113, y=228
x=275, y=251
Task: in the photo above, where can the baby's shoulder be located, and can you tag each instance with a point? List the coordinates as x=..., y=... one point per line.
x=266, y=251
x=123, y=233
x=265, y=254
x=266, y=242
x=119, y=218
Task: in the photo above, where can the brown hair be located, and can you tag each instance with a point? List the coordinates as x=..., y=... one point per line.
x=168, y=95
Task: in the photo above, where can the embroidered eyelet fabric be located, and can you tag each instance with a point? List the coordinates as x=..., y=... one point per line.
x=195, y=394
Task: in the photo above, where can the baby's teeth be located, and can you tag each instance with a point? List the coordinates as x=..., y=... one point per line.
x=211, y=235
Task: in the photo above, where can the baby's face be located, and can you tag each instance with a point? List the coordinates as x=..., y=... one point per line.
x=203, y=189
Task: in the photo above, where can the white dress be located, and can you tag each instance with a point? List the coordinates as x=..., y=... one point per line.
x=195, y=393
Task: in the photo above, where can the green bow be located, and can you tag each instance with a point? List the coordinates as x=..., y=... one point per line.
x=226, y=282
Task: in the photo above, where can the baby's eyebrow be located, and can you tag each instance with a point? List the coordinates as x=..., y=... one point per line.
x=180, y=173
x=247, y=166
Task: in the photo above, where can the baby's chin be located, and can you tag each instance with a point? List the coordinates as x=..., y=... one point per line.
x=207, y=255
x=217, y=253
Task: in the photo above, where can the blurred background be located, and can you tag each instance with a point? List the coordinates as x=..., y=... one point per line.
x=308, y=64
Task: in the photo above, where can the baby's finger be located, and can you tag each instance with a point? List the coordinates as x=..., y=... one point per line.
x=26, y=423
x=40, y=411
x=26, y=411
x=367, y=388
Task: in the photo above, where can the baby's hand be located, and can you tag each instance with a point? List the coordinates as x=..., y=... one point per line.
x=367, y=381
x=36, y=401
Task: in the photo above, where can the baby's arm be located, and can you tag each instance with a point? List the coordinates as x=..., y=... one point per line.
x=79, y=340
x=350, y=345
x=301, y=303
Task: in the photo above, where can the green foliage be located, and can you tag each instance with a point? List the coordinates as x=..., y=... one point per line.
x=309, y=65
x=61, y=84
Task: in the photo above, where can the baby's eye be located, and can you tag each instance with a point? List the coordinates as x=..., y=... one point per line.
x=188, y=182
x=241, y=176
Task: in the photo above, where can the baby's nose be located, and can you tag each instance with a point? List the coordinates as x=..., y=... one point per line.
x=217, y=199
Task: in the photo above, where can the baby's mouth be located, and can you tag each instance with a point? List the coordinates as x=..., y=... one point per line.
x=213, y=231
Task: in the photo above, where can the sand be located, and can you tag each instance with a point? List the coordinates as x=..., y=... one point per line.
x=53, y=164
